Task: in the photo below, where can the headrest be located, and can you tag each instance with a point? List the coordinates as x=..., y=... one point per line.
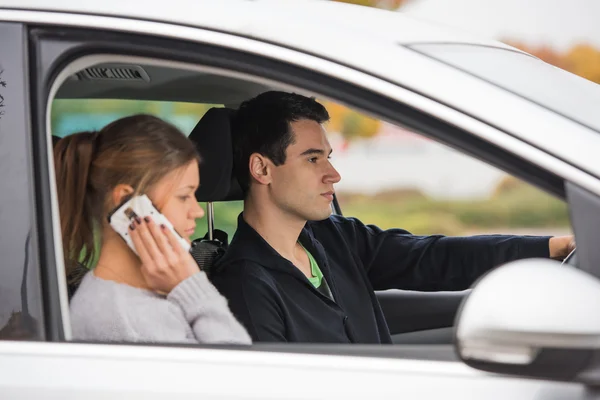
x=212, y=136
x=55, y=140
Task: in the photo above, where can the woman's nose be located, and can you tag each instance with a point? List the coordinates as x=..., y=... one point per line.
x=197, y=212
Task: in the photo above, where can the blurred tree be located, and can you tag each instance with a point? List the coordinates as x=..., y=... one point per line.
x=349, y=123
x=584, y=60
x=581, y=59
x=358, y=125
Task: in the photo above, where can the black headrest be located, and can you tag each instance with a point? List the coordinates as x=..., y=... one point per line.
x=55, y=140
x=212, y=136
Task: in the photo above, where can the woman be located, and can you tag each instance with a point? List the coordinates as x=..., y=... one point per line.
x=160, y=295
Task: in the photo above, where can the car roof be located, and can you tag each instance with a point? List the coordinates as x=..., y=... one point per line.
x=362, y=44
x=270, y=20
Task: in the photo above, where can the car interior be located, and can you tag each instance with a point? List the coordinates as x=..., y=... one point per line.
x=416, y=318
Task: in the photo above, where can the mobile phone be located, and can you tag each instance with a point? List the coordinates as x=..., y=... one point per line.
x=139, y=206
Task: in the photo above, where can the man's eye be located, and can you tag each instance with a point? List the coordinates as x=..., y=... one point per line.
x=313, y=159
x=184, y=198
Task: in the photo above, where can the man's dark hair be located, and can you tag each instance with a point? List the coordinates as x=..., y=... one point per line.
x=262, y=125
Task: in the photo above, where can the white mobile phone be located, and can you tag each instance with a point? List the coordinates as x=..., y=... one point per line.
x=139, y=206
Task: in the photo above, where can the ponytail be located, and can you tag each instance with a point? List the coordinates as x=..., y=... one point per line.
x=73, y=159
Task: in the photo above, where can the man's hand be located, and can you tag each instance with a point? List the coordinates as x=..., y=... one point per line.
x=561, y=246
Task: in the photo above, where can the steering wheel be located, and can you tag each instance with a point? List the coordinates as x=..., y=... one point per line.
x=571, y=259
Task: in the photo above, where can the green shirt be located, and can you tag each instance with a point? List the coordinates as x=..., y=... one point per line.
x=315, y=271
x=317, y=279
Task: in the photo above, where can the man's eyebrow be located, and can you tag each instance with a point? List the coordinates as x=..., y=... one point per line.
x=314, y=151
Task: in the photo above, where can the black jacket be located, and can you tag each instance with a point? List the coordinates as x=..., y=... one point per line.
x=276, y=302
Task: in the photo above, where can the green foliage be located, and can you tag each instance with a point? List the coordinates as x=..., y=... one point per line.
x=514, y=206
x=226, y=214
x=74, y=115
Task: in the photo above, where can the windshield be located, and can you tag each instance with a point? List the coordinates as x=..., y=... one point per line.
x=529, y=77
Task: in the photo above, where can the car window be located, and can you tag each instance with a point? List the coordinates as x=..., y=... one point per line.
x=526, y=76
x=395, y=178
x=383, y=181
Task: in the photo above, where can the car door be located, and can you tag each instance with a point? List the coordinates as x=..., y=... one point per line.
x=103, y=370
x=22, y=315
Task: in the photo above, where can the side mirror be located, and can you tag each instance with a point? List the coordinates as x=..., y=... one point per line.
x=534, y=318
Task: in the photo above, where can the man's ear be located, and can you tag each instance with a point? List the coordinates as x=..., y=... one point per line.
x=260, y=168
x=120, y=192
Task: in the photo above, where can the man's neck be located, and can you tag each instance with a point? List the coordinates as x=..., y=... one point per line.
x=278, y=228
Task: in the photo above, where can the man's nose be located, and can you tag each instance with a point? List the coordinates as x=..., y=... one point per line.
x=332, y=176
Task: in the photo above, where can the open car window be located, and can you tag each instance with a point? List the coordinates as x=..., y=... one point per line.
x=392, y=177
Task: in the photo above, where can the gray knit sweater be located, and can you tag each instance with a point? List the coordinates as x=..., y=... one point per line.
x=193, y=312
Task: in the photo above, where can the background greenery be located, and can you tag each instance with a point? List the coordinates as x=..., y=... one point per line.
x=514, y=207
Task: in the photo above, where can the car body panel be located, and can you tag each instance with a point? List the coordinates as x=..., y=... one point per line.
x=104, y=371
x=271, y=20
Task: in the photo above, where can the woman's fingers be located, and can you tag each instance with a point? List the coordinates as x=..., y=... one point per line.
x=187, y=264
x=161, y=240
x=140, y=247
x=150, y=244
x=165, y=263
x=172, y=240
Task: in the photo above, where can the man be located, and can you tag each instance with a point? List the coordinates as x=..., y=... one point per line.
x=296, y=273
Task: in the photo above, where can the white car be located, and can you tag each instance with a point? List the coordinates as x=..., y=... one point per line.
x=529, y=330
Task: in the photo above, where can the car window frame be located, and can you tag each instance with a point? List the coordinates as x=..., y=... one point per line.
x=69, y=44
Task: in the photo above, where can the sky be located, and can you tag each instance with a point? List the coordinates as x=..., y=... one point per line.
x=558, y=23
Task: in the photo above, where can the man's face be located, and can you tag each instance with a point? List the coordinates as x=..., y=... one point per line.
x=303, y=185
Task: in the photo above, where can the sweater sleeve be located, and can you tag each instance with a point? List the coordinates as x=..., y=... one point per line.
x=207, y=312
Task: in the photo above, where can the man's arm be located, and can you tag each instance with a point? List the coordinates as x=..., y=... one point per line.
x=396, y=259
x=253, y=302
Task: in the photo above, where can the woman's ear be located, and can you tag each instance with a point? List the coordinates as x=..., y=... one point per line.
x=119, y=193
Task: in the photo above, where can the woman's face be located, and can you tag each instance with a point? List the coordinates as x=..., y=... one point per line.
x=174, y=196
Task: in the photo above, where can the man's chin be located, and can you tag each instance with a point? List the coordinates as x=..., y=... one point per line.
x=320, y=216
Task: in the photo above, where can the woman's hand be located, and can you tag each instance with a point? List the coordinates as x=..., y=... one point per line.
x=164, y=262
